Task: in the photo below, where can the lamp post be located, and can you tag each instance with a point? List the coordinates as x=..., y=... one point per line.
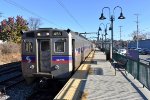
x=102, y=42
x=98, y=34
x=105, y=36
x=120, y=38
x=112, y=18
x=105, y=31
x=98, y=38
x=100, y=29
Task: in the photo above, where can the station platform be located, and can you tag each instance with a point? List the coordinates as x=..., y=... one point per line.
x=96, y=80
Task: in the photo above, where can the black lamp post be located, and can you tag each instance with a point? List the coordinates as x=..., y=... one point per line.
x=112, y=18
x=105, y=31
x=102, y=42
x=105, y=36
x=102, y=33
x=99, y=29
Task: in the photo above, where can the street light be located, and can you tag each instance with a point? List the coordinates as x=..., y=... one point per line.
x=102, y=43
x=105, y=31
x=100, y=29
x=112, y=18
x=98, y=36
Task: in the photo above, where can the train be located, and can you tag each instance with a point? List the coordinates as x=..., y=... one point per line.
x=52, y=53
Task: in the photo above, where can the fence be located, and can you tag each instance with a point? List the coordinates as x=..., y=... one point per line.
x=137, y=69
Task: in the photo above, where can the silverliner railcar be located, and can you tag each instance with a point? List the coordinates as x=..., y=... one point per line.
x=52, y=53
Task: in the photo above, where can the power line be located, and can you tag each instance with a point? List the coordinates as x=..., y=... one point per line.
x=29, y=11
x=63, y=6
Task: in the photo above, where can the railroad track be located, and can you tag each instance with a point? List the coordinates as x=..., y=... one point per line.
x=10, y=65
x=46, y=90
x=10, y=75
x=7, y=68
x=6, y=84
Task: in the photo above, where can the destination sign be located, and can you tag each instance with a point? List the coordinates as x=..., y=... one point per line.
x=57, y=33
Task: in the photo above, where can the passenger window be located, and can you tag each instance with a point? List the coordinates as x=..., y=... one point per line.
x=59, y=47
x=29, y=47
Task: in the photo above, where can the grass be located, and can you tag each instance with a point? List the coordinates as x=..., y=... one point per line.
x=8, y=58
x=9, y=52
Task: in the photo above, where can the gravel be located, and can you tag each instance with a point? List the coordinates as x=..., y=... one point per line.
x=18, y=92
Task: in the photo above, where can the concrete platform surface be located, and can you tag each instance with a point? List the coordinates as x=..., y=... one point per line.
x=96, y=80
x=102, y=84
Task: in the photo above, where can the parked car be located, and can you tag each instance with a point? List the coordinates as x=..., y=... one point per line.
x=145, y=51
x=122, y=51
x=115, y=50
x=139, y=50
x=133, y=48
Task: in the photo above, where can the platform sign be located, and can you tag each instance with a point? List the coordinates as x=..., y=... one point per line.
x=133, y=54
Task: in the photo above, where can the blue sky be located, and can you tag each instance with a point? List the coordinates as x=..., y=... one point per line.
x=84, y=14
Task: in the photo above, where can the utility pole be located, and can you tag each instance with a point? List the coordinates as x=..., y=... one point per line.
x=137, y=22
x=120, y=32
x=120, y=36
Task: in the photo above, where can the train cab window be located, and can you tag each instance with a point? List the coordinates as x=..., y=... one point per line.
x=59, y=46
x=29, y=47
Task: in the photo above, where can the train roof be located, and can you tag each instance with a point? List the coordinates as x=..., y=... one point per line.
x=33, y=33
x=44, y=32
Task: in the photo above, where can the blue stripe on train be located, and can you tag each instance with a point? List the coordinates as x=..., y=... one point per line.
x=55, y=58
x=30, y=58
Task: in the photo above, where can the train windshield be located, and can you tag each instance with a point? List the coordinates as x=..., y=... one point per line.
x=59, y=46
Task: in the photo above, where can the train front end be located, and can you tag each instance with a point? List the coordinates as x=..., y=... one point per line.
x=46, y=53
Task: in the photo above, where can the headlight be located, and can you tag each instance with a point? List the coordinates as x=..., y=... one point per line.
x=47, y=34
x=31, y=66
x=38, y=34
x=56, y=67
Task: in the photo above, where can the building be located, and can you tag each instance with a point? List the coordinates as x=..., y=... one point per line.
x=141, y=44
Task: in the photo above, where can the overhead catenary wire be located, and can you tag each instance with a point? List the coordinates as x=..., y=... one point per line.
x=67, y=11
x=29, y=11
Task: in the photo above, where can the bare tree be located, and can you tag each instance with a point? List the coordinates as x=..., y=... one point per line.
x=141, y=36
x=34, y=23
x=133, y=35
x=148, y=35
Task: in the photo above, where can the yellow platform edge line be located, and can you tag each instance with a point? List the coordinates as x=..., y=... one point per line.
x=71, y=89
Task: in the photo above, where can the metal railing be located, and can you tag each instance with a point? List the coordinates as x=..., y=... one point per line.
x=137, y=69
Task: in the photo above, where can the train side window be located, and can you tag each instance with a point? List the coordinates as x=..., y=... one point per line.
x=28, y=46
x=59, y=46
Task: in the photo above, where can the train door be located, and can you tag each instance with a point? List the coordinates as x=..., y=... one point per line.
x=73, y=54
x=44, y=57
